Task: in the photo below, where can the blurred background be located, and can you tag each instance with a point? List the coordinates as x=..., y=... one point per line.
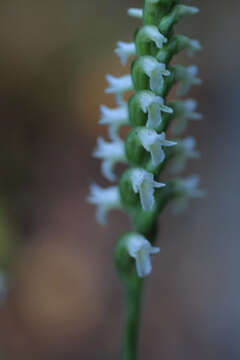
x=66, y=299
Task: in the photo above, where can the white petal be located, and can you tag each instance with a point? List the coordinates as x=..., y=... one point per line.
x=137, y=13
x=118, y=85
x=125, y=50
x=143, y=264
x=107, y=170
x=140, y=249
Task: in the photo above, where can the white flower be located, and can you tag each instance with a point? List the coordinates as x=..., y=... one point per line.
x=144, y=184
x=140, y=249
x=188, y=79
x=125, y=50
x=187, y=188
x=118, y=84
x=105, y=200
x=155, y=71
x=185, y=150
x=193, y=47
x=137, y=13
x=110, y=153
x=153, y=142
x=187, y=113
x=153, y=105
x=151, y=33
x=115, y=118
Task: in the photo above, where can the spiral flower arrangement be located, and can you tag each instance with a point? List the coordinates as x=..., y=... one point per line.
x=151, y=145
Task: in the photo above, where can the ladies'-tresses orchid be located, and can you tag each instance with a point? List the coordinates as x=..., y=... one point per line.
x=138, y=192
x=144, y=184
x=105, y=200
x=185, y=150
x=153, y=105
x=141, y=250
x=115, y=118
x=110, y=153
x=185, y=111
x=153, y=142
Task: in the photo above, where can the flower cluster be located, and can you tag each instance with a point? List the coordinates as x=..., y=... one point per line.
x=150, y=115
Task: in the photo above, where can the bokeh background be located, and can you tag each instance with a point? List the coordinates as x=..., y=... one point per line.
x=66, y=300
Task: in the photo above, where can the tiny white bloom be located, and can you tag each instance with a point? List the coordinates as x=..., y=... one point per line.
x=110, y=153
x=155, y=71
x=185, y=150
x=115, y=118
x=137, y=13
x=125, y=50
x=151, y=32
x=153, y=142
x=194, y=46
x=189, y=78
x=188, y=188
x=105, y=200
x=187, y=113
x=141, y=250
x=153, y=105
x=144, y=184
x=119, y=85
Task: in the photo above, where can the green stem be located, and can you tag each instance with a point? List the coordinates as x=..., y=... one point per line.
x=132, y=320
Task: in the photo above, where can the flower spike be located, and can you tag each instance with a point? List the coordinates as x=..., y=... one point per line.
x=149, y=115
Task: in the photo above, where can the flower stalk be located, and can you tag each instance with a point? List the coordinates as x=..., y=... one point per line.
x=150, y=146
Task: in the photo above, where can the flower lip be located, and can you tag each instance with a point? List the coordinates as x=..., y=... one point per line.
x=144, y=184
x=153, y=142
x=125, y=50
x=140, y=249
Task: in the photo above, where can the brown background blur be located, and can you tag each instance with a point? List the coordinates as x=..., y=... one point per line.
x=67, y=300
